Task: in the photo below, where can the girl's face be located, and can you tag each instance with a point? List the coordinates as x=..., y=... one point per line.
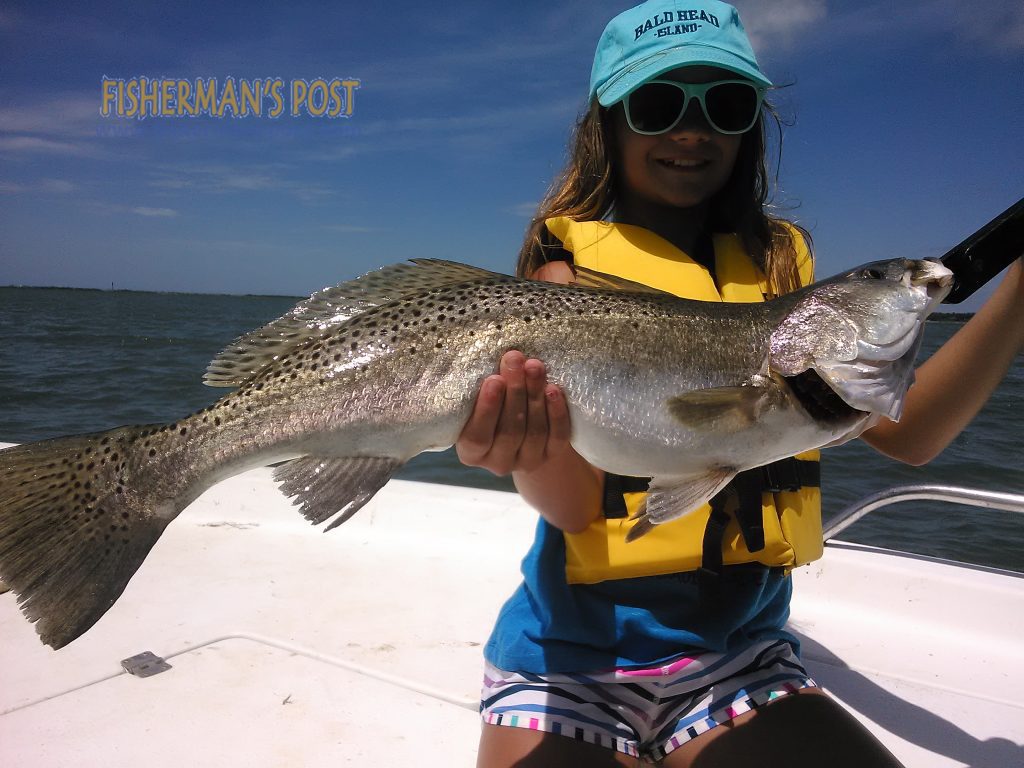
x=683, y=167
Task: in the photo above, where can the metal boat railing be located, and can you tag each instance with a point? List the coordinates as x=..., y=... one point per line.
x=1010, y=502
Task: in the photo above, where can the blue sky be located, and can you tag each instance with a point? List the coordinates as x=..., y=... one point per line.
x=906, y=126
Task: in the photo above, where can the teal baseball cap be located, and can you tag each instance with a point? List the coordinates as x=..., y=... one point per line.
x=659, y=36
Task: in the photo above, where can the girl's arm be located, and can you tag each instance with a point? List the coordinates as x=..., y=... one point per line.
x=954, y=383
x=520, y=424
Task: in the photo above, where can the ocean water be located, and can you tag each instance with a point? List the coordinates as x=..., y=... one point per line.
x=75, y=361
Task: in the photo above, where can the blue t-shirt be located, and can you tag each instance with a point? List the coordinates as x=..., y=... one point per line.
x=551, y=626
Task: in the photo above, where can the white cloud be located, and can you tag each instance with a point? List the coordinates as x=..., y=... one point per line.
x=270, y=177
x=788, y=24
x=59, y=186
x=38, y=145
x=779, y=24
x=166, y=213
x=999, y=24
x=63, y=114
x=53, y=186
x=348, y=228
x=522, y=209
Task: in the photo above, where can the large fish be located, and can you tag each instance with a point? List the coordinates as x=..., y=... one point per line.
x=359, y=378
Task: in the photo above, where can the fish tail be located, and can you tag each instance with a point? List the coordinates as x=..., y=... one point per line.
x=74, y=528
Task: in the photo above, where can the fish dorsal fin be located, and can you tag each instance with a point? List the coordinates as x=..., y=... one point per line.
x=591, y=278
x=330, y=307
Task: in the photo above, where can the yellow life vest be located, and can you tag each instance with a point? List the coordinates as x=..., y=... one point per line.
x=791, y=519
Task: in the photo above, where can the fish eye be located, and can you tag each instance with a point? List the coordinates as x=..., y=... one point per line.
x=872, y=274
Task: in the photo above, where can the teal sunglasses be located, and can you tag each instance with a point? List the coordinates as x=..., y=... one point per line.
x=730, y=106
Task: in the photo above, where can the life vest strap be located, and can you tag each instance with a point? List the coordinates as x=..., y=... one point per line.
x=747, y=487
x=790, y=474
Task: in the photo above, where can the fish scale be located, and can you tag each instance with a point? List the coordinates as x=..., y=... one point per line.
x=361, y=377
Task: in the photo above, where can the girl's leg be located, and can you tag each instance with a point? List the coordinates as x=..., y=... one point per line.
x=505, y=747
x=804, y=729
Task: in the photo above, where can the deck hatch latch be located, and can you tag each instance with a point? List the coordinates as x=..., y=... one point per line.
x=145, y=664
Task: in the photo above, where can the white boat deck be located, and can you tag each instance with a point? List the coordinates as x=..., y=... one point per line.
x=291, y=647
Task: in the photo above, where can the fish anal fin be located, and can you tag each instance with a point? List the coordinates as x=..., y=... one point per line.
x=325, y=486
x=674, y=497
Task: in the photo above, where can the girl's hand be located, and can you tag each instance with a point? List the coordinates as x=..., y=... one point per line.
x=520, y=424
x=519, y=421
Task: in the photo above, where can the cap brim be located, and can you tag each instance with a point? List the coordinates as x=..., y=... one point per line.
x=638, y=73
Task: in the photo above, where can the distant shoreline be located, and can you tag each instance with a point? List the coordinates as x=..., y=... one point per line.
x=945, y=317
x=159, y=293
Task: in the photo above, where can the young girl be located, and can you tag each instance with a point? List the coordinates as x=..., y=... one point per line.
x=655, y=650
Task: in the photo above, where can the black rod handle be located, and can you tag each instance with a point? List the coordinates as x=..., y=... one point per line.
x=986, y=253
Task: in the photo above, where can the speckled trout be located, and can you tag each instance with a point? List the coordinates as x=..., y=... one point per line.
x=361, y=377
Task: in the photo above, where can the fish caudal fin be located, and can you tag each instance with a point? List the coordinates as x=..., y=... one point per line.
x=325, y=486
x=72, y=530
x=669, y=498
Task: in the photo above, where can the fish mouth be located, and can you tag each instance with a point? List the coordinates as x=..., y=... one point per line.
x=932, y=275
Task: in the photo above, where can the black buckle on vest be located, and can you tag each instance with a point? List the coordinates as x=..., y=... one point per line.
x=615, y=486
x=748, y=486
x=781, y=476
x=711, y=561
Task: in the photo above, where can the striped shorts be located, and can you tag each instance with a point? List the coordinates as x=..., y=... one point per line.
x=644, y=712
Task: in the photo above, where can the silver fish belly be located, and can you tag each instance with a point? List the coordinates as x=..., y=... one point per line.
x=359, y=378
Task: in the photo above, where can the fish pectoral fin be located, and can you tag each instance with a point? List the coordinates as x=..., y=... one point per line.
x=670, y=498
x=324, y=486
x=728, y=409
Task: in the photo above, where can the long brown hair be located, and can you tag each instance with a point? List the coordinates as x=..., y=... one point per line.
x=585, y=191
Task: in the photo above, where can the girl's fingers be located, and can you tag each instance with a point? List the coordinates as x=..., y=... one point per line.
x=511, y=427
x=477, y=435
x=533, y=448
x=559, y=427
x=518, y=419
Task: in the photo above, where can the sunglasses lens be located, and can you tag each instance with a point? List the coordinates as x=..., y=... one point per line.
x=732, y=107
x=653, y=108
